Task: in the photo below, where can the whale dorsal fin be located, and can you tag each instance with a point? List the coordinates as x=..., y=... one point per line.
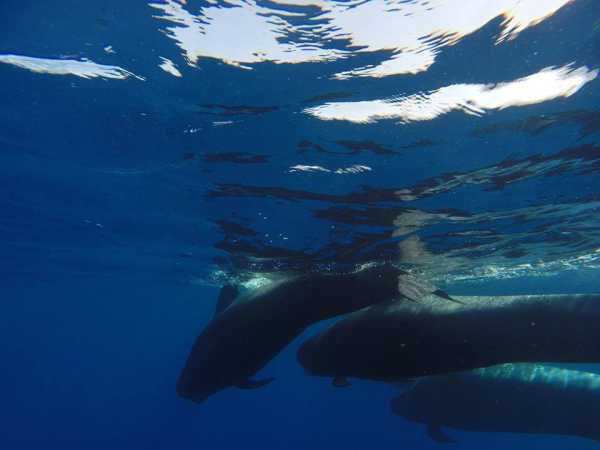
x=445, y=295
x=435, y=432
x=228, y=294
x=415, y=289
x=253, y=384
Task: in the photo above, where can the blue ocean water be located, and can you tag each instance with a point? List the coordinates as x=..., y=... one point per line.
x=456, y=139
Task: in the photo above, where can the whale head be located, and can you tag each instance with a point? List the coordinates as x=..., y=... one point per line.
x=197, y=383
x=207, y=369
x=314, y=359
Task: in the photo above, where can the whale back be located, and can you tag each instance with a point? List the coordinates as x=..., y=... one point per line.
x=518, y=398
x=396, y=340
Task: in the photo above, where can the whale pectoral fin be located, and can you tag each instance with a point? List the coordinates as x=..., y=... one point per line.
x=340, y=382
x=436, y=433
x=253, y=384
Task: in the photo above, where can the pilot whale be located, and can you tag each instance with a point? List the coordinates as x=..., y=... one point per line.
x=513, y=398
x=248, y=330
x=393, y=341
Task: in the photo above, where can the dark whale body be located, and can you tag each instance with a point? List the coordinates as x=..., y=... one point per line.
x=513, y=398
x=246, y=334
x=394, y=341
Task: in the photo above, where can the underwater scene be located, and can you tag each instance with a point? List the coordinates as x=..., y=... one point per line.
x=300, y=224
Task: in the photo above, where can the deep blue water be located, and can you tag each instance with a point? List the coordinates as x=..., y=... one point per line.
x=129, y=197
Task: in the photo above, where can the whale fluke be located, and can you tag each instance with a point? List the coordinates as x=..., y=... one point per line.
x=253, y=384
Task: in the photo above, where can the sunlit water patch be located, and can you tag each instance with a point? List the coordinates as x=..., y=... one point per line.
x=291, y=31
x=80, y=68
x=547, y=84
x=303, y=135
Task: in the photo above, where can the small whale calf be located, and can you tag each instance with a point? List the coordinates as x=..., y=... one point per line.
x=393, y=341
x=248, y=330
x=514, y=398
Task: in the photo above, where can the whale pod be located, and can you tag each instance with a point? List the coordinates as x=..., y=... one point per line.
x=247, y=331
x=513, y=398
x=393, y=341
